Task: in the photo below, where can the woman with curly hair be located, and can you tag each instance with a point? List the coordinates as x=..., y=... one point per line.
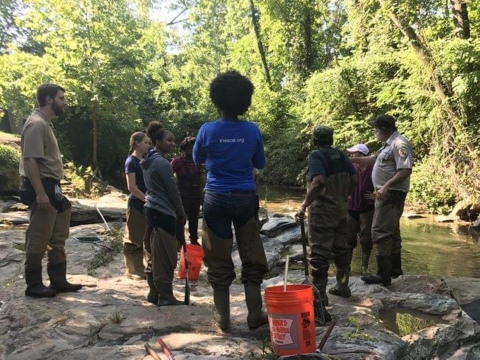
x=230, y=148
x=163, y=207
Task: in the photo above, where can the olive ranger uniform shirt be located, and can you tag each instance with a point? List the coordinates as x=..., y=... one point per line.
x=39, y=142
x=395, y=154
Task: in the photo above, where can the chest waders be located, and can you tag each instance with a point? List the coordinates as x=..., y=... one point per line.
x=221, y=271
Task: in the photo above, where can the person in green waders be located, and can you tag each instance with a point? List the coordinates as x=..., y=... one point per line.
x=163, y=209
x=331, y=179
x=230, y=148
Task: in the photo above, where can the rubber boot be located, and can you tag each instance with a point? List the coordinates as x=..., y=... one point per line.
x=383, y=272
x=58, y=278
x=134, y=264
x=351, y=258
x=165, y=297
x=35, y=287
x=396, y=265
x=365, y=260
x=320, y=280
x=221, y=298
x=253, y=296
x=341, y=289
x=152, y=296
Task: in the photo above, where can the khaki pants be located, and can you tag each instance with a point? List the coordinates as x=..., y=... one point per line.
x=47, y=227
x=386, y=223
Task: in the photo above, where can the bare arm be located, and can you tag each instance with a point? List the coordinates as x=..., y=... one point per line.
x=399, y=176
x=33, y=172
x=132, y=187
x=318, y=183
x=363, y=160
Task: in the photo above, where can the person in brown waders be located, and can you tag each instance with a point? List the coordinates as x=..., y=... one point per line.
x=190, y=184
x=361, y=207
x=135, y=225
x=230, y=148
x=331, y=179
x=163, y=208
x=41, y=170
x=392, y=166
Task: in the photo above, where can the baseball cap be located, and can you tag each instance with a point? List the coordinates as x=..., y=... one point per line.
x=383, y=120
x=323, y=132
x=359, y=148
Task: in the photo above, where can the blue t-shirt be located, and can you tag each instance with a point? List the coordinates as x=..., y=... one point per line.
x=230, y=149
x=132, y=165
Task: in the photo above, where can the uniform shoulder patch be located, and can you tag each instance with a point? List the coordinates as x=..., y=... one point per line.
x=403, y=152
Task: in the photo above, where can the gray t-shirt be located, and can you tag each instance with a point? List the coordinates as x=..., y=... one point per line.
x=395, y=154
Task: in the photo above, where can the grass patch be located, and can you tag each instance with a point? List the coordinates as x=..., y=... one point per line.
x=357, y=333
x=115, y=317
x=267, y=352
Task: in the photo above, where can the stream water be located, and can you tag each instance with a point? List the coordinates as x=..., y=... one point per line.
x=428, y=247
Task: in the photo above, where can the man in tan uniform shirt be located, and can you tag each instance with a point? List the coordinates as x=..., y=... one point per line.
x=41, y=170
x=392, y=166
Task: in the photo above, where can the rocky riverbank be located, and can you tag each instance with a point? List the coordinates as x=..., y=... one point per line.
x=417, y=317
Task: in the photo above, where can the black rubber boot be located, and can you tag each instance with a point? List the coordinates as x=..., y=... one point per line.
x=396, y=265
x=341, y=288
x=253, y=296
x=152, y=296
x=165, y=297
x=384, y=264
x=365, y=260
x=320, y=280
x=58, y=278
x=221, y=298
x=35, y=287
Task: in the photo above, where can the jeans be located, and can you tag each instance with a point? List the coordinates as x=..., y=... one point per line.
x=221, y=209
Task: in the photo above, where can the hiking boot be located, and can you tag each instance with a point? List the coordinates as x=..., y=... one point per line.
x=365, y=260
x=396, y=266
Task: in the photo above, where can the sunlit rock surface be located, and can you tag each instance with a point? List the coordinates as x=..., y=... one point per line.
x=417, y=317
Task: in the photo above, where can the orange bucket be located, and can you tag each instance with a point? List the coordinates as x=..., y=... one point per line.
x=291, y=319
x=195, y=259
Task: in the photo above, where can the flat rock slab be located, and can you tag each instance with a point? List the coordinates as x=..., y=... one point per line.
x=110, y=317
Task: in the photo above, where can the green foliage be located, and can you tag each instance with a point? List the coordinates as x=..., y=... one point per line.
x=357, y=333
x=267, y=352
x=9, y=163
x=339, y=63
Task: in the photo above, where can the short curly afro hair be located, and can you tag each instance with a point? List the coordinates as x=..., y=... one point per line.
x=231, y=92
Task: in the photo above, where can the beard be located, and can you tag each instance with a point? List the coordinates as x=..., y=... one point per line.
x=57, y=109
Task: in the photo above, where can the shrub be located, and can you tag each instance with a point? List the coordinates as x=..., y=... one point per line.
x=9, y=162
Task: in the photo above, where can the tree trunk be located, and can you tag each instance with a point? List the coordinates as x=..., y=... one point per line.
x=443, y=92
x=460, y=18
x=96, y=169
x=261, y=49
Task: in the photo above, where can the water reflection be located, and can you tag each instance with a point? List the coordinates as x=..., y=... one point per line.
x=429, y=248
x=403, y=322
